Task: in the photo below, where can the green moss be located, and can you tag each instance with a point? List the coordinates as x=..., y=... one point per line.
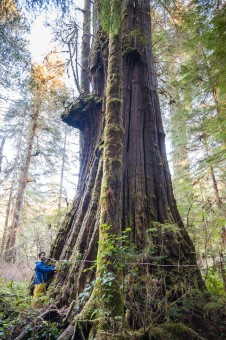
x=82, y=102
x=94, y=329
x=76, y=113
x=110, y=15
x=90, y=311
x=115, y=161
x=174, y=331
x=114, y=128
x=137, y=34
x=114, y=100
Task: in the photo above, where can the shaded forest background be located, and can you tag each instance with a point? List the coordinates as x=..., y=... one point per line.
x=39, y=157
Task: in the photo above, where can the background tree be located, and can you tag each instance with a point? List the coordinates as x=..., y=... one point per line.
x=44, y=84
x=180, y=43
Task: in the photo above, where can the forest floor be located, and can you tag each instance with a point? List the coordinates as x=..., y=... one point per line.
x=19, y=314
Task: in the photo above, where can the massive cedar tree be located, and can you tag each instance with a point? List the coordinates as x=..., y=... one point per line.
x=124, y=215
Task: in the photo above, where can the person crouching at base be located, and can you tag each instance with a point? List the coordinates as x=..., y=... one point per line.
x=41, y=271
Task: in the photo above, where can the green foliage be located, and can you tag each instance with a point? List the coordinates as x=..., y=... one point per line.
x=205, y=67
x=14, y=302
x=110, y=15
x=14, y=55
x=35, y=5
x=64, y=265
x=162, y=227
x=86, y=293
x=47, y=330
x=209, y=308
x=14, y=295
x=189, y=50
x=118, y=248
x=214, y=283
x=115, y=251
x=106, y=282
x=17, y=311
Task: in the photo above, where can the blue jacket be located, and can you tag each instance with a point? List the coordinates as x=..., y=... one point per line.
x=41, y=271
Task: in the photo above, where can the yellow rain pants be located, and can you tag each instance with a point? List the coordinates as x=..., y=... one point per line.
x=39, y=290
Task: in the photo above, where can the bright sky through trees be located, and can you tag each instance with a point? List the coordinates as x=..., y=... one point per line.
x=40, y=39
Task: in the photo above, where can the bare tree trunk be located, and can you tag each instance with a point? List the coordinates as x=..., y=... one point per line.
x=215, y=187
x=10, y=202
x=85, y=82
x=214, y=181
x=179, y=141
x=206, y=232
x=222, y=270
x=222, y=256
x=1, y=152
x=10, y=249
x=7, y=217
x=62, y=169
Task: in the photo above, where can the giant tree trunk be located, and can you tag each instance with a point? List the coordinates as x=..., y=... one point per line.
x=163, y=257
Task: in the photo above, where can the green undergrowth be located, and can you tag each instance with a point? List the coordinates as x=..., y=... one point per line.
x=17, y=311
x=203, y=311
x=195, y=314
x=214, y=283
x=14, y=302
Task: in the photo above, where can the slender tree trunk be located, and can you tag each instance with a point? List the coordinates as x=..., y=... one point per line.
x=1, y=152
x=178, y=125
x=222, y=257
x=7, y=216
x=85, y=82
x=206, y=233
x=62, y=170
x=10, y=202
x=213, y=177
x=222, y=270
x=10, y=249
x=183, y=189
x=215, y=187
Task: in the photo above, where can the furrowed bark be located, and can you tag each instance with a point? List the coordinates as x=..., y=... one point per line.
x=141, y=200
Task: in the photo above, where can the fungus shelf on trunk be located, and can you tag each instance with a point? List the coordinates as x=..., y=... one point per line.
x=80, y=113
